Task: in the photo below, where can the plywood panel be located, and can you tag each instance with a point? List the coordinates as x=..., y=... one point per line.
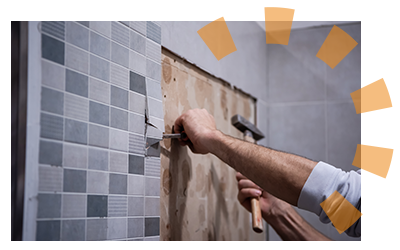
x=199, y=192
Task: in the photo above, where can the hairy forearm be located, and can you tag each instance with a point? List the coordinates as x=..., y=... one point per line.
x=281, y=174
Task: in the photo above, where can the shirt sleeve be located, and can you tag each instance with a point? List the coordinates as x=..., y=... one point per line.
x=322, y=182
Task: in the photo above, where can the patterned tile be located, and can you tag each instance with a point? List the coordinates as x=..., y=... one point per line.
x=117, y=206
x=154, y=32
x=56, y=29
x=153, y=51
x=50, y=179
x=76, y=107
x=119, y=76
x=152, y=166
x=136, y=144
x=51, y=126
x=120, y=33
x=139, y=26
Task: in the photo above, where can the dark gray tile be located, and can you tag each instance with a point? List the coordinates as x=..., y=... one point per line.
x=136, y=123
x=56, y=29
x=99, y=45
x=118, y=184
x=153, y=70
x=120, y=33
x=76, y=83
x=135, y=227
x=152, y=226
x=98, y=159
x=85, y=23
x=137, y=103
x=98, y=113
x=152, y=186
x=74, y=205
x=51, y=126
x=96, y=229
x=97, y=182
x=49, y=206
x=48, y=230
x=75, y=156
x=136, y=184
x=117, y=228
x=119, y=119
x=73, y=230
x=119, y=54
x=52, y=101
x=77, y=35
x=138, y=42
x=119, y=97
x=137, y=83
x=153, y=147
x=136, y=164
x=74, y=181
x=98, y=136
x=52, y=49
x=75, y=131
x=50, y=153
x=99, y=68
x=154, y=32
x=135, y=206
x=53, y=75
x=97, y=206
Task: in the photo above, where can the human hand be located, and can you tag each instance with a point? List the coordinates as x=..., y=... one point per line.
x=199, y=127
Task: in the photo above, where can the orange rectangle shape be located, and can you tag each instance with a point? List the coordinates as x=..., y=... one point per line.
x=373, y=159
x=278, y=24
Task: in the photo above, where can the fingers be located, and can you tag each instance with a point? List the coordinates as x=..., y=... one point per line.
x=246, y=183
x=246, y=193
x=178, y=125
x=239, y=176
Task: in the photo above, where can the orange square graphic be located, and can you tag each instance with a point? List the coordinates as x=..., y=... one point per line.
x=336, y=47
x=278, y=24
x=373, y=159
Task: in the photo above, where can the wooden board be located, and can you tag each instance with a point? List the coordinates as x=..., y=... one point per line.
x=198, y=199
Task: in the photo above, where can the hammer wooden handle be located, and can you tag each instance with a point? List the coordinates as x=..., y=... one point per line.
x=255, y=204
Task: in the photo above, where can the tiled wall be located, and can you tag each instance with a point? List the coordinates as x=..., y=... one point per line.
x=99, y=82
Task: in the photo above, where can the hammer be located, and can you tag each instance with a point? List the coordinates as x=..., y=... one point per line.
x=251, y=134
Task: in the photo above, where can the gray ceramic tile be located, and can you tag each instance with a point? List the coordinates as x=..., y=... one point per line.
x=153, y=70
x=53, y=75
x=137, y=62
x=119, y=118
x=153, y=147
x=137, y=83
x=50, y=179
x=99, y=45
x=56, y=29
x=153, y=51
x=99, y=68
x=135, y=206
x=98, y=159
x=299, y=130
x=76, y=83
x=135, y=227
x=152, y=206
x=76, y=107
x=84, y=23
x=118, y=162
x=153, y=89
x=48, y=230
x=52, y=49
x=117, y=206
x=152, y=226
x=118, y=140
x=96, y=229
x=97, y=205
x=118, y=184
x=117, y=228
x=153, y=238
x=75, y=131
x=344, y=133
x=98, y=136
x=75, y=156
x=155, y=108
x=99, y=90
x=119, y=76
x=50, y=153
x=120, y=33
x=49, y=206
x=137, y=103
x=135, y=185
x=136, y=144
x=152, y=166
x=136, y=123
x=51, y=126
x=138, y=42
x=154, y=32
x=52, y=101
x=139, y=26
x=97, y=182
x=119, y=97
x=152, y=186
x=76, y=59
x=74, y=181
x=120, y=54
x=136, y=164
x=98, y=113
x=77, y=35
x=103, y=27
x=74, y=205
x=159, y=123
x=73, y=230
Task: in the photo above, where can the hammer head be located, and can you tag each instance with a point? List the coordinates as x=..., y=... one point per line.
x=242, y=124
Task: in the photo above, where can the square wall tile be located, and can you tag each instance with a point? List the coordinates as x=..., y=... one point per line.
x=77, y=35
x=50, y=179
x=138, y=42
x=97, y=182
x=137, y=83
x=152, y=166
x=118, y=184
x=49, y=205
x=98, y=159
x=84, y=23
x=136, y=123
x=48, y=230
x=76, y=59
x=99, y=90
x=136, y=144
x=73, y=230
x=119, y=118
x=75, y=156
x=135, y=206
x=153, y=132
x=120, y=33
x=53, y=75
x=74, y=181
x=51, y=126
x=152, y=206
x=119, y=76
x=136, y=164
x=153, y=89
x=118, y=162
x=117, y=228
x=74, y=205
x=137, y=62
x=103, y=27
x=97, y=205
x=135, y=227
x=135, y=185
x=98, y=113
x=56, y=29
x=50, y=153
x=154, y=32
x=118, y=140
x=153, y=70
x=99, y=45
x=152, y=226
x=152, y=186
x=155, y=108
x=117, y=206
x=53, y=49
x=52, y=101
x=76, y=83
x=99, y=68
x=96, y=229
x=119, y=97
x=120, y=54
x=76, y=107
x=75, y=131
x=139, y=26
x=98, y=136
x=154, y=148
x=137, y=103
x=153, y=50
